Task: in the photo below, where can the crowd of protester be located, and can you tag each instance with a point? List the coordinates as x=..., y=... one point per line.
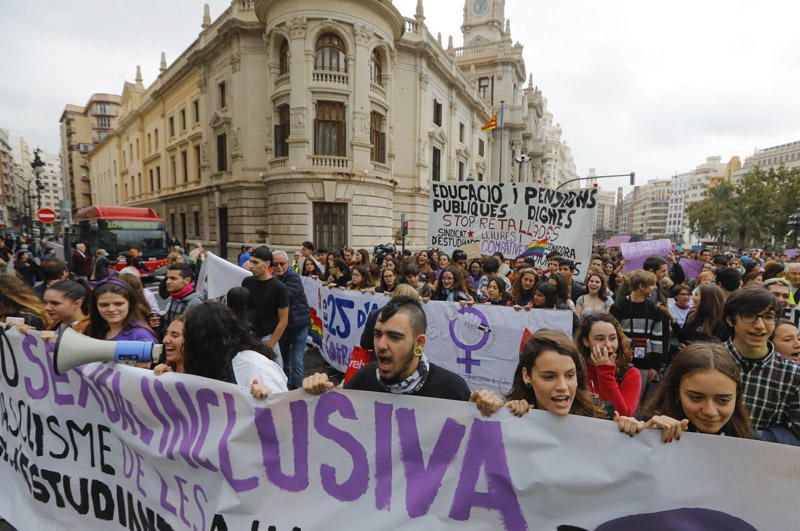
x=650, y=348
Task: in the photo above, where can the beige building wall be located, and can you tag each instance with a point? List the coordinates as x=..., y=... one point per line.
x=257, y=164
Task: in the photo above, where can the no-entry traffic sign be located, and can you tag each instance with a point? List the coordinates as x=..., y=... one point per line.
x=46, y=215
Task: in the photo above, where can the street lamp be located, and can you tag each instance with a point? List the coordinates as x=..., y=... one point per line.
x=632, y=175
x=722, y=231
x=37, y=164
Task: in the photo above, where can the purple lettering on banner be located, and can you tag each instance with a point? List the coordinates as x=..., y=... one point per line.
x=205, y=398
x=485, y=449
x=156, y=411
x=423, y=482
x=165, y=504
x=271, y=452
x=86, y=388
x=356, y=485
x=239, y=485
x=383, y=456
x=100, y=382
x=200, y=505
x=59, y=398
x=41, y=392
x=119, y=400
x=184, y=498
x=184, y=426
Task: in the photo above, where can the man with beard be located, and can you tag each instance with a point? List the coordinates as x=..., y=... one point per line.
x=401, y=366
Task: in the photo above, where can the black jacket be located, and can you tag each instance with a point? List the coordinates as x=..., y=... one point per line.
x=298, y=306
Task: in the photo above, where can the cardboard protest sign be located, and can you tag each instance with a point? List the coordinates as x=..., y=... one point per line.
x=691, y=268
x=507, y=217
x=617, y=240
x=217, y=276
x=112, y=447
x=636, y=253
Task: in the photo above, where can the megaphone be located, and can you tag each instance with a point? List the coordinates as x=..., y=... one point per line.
x=73, y=349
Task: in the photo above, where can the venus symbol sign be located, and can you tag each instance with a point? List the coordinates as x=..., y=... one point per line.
x=470, y=331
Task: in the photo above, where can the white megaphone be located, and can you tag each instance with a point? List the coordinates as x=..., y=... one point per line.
x=73, y=349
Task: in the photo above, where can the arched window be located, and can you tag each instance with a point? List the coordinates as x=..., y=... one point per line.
x=376, y=68
x=284, y=58
x=330, y=54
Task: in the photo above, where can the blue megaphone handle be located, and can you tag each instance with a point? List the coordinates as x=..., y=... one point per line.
x=133, y=351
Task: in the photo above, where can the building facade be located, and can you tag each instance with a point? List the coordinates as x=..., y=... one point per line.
x=786, y=155
x=645, y=210
x=605, y=214
x=82, y=128
x=7, y=179
x=293, y=120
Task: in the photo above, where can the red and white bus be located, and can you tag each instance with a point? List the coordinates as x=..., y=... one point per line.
x=120, y=229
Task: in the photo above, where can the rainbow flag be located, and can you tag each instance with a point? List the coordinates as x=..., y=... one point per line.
x=315, y=332
x=535, y=248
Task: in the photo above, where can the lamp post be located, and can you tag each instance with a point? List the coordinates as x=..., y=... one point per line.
x=722, y=231
x=37, y=164
x=632, y=175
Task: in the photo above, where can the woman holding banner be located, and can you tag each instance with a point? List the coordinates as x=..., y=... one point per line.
x=701, y=392
x=360, y=279
x=115, y=316
x=523, y=288
x=451, y=286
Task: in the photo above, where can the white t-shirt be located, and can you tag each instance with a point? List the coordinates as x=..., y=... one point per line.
x=249, y=365
x=132, y=270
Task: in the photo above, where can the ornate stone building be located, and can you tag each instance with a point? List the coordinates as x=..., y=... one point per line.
x=289, y=120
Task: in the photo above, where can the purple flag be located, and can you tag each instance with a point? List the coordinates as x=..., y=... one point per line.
x=636, y=253
x=692, y=268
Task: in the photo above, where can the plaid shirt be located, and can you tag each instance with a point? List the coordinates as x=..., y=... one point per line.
x=771, y=389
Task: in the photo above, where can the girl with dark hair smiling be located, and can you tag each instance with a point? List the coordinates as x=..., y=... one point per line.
x=114, y=314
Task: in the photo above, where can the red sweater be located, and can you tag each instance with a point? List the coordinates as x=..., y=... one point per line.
x=601, y=381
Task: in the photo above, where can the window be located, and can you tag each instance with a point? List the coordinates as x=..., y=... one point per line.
x=137, y=148
x=104, y=123
x=329, y=129
x=436, y=166
x=183, y=227
x=172, y=224
x=481, y=147
x=185, y=165
x=152, y=180
x=377, y=137
x=483, y=86
x=330, y=54
x=222, y=96
x=102, y=108
x=282, y=130
x=171, y=123
x=375, y=68
x=196, y=224
x=222, y=152
x=183, y=119
x=155, y=137
x=437, y=113
x=197, y=161
x=174, y=168
x=149, y=143
x=158, y=177
x=196, y=111
x=283, y=60
x=330, y=225
x=461, y=133
x=460, y=171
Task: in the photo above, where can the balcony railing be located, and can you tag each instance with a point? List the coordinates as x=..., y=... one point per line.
x=330, y=162
x=278, y=162
x=281, y=81
x=377, y=89
x=381, y=168
x=324, y=76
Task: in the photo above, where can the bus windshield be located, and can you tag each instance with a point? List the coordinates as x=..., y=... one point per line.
x=118, y=237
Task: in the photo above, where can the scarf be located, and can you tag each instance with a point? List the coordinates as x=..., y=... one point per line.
x=410, y=385
x=178, y=295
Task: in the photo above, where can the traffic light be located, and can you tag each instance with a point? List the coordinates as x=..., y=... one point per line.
x=404, y=224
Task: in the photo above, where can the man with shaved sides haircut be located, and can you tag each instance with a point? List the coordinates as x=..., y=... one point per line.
x=402, y=366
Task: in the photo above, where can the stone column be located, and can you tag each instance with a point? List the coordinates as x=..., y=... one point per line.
x=299, y=80
x=358, y=69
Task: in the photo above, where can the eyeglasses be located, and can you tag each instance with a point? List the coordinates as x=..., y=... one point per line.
x=279, y=264
x=750, y=318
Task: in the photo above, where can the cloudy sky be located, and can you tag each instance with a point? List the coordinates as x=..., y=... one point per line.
x=650, y=87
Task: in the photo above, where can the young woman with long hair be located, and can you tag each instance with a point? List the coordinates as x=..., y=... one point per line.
x=389, y=281
x=545, y=296
x=558, y=281
x=597, y=300
x=705, y=322
x=701, y=392
x=524, y=287
x=607, y=354
x=67, y=305
x=146, y=302
x=17, y=299
x=311, y=269
x=115, y=316
x=474, y=272
x=362, y=257
x=360, y=278
x=426, y=272
x=550, y=375
x=496, y=292
x=217, y=346
x=451, y=286
x=173, y=359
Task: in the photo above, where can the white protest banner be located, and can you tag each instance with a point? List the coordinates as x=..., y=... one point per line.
x=793, y=315
x=217, y=276
x=480, y=343
x=637, y=252
x=110, y=447
x=507, y=217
